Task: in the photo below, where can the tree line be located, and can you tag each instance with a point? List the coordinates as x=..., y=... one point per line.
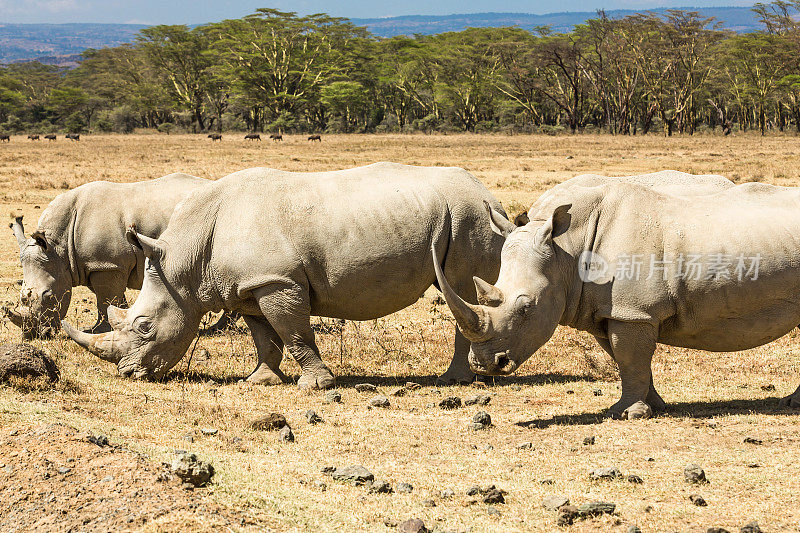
x=277, y=71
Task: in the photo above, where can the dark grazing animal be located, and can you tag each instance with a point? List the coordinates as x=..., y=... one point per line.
x=50, y=137
x=33, y=137
x=315, y=138
x=6, y=138
x=73, y=136
x=252, y=137
x=215, y=137
x=276, y=136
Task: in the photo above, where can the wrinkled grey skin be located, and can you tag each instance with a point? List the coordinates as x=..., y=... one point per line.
x=81, y=241
x=279, y=247
x=539, y=285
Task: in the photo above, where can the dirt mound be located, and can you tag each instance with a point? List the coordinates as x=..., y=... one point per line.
x=23, y=364
x=55, y=478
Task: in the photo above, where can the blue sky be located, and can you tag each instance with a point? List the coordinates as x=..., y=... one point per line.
x=198, y=11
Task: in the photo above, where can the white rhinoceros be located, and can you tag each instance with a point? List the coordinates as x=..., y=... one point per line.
x=634, y=267
x=281, y=246
x=81, y=241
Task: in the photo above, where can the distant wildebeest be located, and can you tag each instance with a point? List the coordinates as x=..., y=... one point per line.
x=50, y=137
x=215, y=137
x=315, y=138
x=252, y=137
x=6, y=138
x=73, y=136
x=33, y=137
x=276, y=137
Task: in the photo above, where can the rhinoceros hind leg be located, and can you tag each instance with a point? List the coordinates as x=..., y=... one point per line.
x=633, y=344
x=287, y=307
x=459, y=371
x=793, y=400
x=226, y=320
x=269, y=348
x=109, y=288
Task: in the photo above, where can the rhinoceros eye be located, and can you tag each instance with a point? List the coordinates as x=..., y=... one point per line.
x=523, y=305
x=142, y=325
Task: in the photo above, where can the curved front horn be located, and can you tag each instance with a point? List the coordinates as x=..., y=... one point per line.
x=17, y=316
x=470, y=318
x=101, y=345
x=19, y=232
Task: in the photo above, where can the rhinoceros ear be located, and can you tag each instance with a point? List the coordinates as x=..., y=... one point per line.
x=150, y=247
x=554, y=226
x=38, y=236
x=500, y=224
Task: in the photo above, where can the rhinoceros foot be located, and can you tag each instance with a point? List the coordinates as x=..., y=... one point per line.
x=633, y=412
x=263, y=375
x=455, y=378
x=319, y=379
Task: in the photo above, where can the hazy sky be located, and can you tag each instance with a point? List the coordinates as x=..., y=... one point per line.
x=198, y=11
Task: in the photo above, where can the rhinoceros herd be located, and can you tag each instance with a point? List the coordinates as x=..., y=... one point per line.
x=684, y=260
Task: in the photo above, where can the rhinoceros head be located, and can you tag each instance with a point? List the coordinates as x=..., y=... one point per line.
x=46, y=286
x=515, y=317
x=152, y=336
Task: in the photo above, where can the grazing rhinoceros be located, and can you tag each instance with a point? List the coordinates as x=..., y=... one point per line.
x=634, y=267
x=281, y=246
x=81, y=241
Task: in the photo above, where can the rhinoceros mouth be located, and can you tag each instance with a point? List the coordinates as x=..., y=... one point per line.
x=497, y=364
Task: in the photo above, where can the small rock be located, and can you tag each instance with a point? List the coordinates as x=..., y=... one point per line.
x=633, y=528
x=547, y=481
x=596, y=509
x=525, y=446
x=412, y=525
x=650, y=460
x=187, y=486
x=333, y=396
x=202, y=355
x=694, y=474
x=402, y=391
x=588, y=441
x=567, y=515
x=8, y=469
x=100, y=440
x=768, y=388
x=13, y=433
x=451, y=402
x=750, y=527
x=321, y=485
x=553, y=503
x=327, y=469
x=411, y=386
x=286, y=434
x=605, y=474
x=598, y=392
x=64, y=470
x=493, y=496
x=313, y=417
x=481, y=420
x=570, y=392
x=493, y=511
x=380, y=401
x=209, y=431
x=753, y=440
x=697, y=500
x=636, y=480
x=569, y=157
x=366, y=387
x=446, y=494
x=479, y=399
x=380, y=487
x=107, y=479
x=271, y=422
x=191, y=470
x=404, y=488
x=648, y=509
x=428, y=503
x=356, y=474
x=717, y=530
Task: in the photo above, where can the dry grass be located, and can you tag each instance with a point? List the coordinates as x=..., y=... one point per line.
x=716, y=399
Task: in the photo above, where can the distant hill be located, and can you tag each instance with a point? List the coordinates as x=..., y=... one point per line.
x=60, y=44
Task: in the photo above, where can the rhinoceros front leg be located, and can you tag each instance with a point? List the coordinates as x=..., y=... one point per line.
x=793, y=400
x=633, y=344
x=287, y=308
x=459, y=371
x=269, y=348
x=109, y=288
x=654, y=400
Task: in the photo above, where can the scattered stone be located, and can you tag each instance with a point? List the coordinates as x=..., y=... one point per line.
x=366, y=387
x=493, y=511
x=400, y=392
x=596, y=509
x=209, y=431
x=271, y=422
x=481, y=420
x=648, y=509
x=26, y=366
x=380, y=487
x=650, y=460
x=107, y=479
x=313, y=417
x=717, y=530
x=493, y=496
x=412, y=525
x=446, y=494
x=694, y=474
x=404, y=488
x=525, y=446
x=473, y=490
x=604, y=474
x=768, y=388
x=451, y=402
x=697, y=500
x=202, y=355
x=547, y=481
x=598, y=392
x=567, y=515
x=478, y=399
x=333, y=396
x=355, y=474
x=750, y=527
x=753, y=440
x=321, y=485
x=633, y=528
x=100, y=440
x=286, y=434
x=380, y=401
x=191, y=470
x=588, y=441
x=327, y=469
x=428, y=503
x=636, y=480
x=570, y=392
x=412, y=386
x=570, y=157
x=189, y=437
x=64, y=470
x=554, y=503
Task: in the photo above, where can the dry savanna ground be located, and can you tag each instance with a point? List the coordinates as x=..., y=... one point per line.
x=717, y=400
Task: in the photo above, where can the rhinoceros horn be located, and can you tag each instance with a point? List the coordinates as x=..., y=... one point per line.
x=101, y=344
x=471, y=319
x=19, y=231
x=17, y=316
